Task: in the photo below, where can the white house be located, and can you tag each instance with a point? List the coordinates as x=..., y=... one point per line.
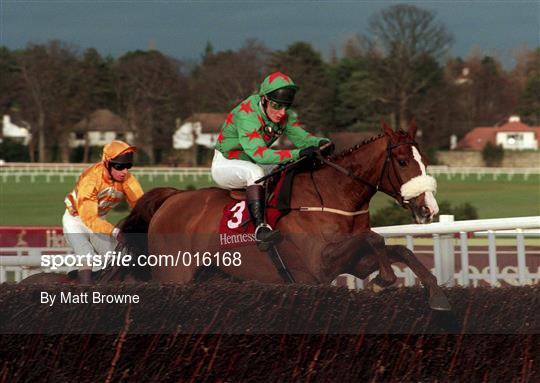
x=517, y=136
x=200, y=128
x=15, y=132
x=100, y=128
x=512, y=135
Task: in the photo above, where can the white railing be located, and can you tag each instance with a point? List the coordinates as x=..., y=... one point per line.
x=51, y=174
x=480, y=172
x=31, y=171
x=17, y=263
x=444, y=245
x=447, y=238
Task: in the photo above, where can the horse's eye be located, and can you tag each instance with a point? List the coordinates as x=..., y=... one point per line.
x=402, y=162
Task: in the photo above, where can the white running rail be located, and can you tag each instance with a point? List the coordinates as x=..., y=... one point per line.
x=444, y=244
x=57, y=171
x=447, y=239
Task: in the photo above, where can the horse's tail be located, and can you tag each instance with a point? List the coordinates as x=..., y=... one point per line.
x=133, y=235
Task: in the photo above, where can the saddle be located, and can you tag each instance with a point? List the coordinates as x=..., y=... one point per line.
x=278, y=192
x=236, y=227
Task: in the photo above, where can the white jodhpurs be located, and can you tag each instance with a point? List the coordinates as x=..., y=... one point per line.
x=83, y=240
x=236, y=174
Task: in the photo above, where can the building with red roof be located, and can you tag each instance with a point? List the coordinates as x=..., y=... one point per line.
x=513, y=135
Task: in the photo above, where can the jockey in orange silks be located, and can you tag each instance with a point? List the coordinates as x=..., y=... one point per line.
x=98, y=190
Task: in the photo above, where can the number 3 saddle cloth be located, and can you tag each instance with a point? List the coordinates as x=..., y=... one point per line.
x=236, y=227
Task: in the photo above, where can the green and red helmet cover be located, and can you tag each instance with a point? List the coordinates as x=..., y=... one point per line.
x=274, y=81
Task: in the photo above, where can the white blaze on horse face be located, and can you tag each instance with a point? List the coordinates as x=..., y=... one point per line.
x=421, y=184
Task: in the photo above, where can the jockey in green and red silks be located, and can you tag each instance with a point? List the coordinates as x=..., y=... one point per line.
x=243, y=153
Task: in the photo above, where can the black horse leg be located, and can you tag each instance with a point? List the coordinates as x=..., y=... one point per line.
x=437, y=298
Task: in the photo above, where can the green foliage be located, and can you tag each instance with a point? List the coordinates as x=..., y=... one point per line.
x=529, y=102
x=13, y=151
x=94, y=154
x=141, y=157
x=431, y=154
x=356, y=101
x=393, y=214
x=463, y=211
x=492, y=155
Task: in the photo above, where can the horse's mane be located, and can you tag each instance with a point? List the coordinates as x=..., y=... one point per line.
x=368, y=140
x=350, y=150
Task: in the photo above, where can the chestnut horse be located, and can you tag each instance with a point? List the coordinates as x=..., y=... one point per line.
x=318, y=245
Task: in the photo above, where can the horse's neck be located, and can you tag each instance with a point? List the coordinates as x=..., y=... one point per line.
x=366, y=161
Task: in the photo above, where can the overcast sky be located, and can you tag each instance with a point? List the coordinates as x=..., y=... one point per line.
x=182, y=28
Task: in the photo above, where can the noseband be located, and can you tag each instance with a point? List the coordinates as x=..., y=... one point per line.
x=392, y=193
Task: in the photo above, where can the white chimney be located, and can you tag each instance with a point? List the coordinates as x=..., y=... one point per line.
x=514, y=119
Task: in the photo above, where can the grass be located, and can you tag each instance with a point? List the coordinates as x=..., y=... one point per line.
x=41, y=203
x=492, y=199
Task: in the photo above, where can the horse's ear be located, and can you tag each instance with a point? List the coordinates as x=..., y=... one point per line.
x=386, y=129
x=412, y=129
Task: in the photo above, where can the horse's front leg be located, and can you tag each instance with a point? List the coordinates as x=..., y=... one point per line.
x=373, y=243
x=350, y=255
x=341, y=257
x=437, y=297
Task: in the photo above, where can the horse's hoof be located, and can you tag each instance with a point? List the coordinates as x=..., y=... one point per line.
x=439, y=302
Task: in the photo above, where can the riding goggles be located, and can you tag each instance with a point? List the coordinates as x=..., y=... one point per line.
x=117, y=166
x=277, y=105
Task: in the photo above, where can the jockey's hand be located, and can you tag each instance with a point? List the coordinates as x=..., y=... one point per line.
x=327, y=147
x=310, y=151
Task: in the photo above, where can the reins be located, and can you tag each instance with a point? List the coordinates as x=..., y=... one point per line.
x=394, y=194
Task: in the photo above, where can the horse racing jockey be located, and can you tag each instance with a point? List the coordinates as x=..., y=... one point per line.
x=99, y=189
x=242, y=151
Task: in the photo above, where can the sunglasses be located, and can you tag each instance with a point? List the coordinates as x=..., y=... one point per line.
x=121, y=166
x=277, y=105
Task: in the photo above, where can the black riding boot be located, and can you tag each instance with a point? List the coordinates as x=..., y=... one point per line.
x=265, y=236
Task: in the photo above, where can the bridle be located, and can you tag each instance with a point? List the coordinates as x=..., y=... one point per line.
x=396, y=194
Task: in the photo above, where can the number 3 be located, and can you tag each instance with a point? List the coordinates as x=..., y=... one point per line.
x=236, y=219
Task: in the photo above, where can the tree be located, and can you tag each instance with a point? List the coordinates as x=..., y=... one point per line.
x=484, y=93
x=405, y=45
x=51, y=83
x=493, y=155
x=224, y=79
x=315, y=99
x=152, y=94
x=9, y=84
x=357, y=105
x=494, y=94
x=97, y=88
x=529, y=100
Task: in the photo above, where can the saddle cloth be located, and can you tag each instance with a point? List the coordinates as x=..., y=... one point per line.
x=236, y=227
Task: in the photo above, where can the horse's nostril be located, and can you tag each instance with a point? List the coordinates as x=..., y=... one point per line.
x=426, y=211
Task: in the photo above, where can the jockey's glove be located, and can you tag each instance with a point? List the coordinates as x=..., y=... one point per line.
x=310, y=151
x=328, y=149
